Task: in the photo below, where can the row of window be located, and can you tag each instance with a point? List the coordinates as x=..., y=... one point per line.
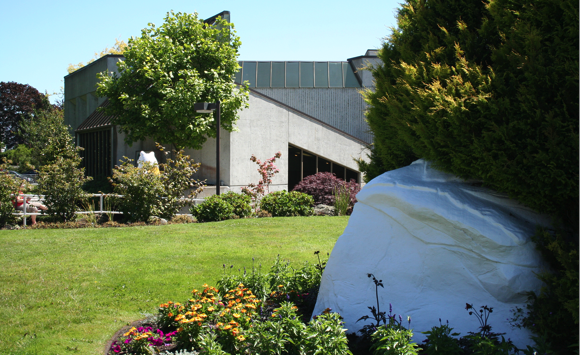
x=302, y=163
x=297, y=74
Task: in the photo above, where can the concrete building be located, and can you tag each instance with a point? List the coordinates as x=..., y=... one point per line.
x=312, y=112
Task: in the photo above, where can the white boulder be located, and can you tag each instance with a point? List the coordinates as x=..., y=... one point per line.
x=437, y=242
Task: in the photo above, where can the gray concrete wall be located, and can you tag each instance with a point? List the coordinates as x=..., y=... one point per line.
x=342, y=108
x=268, y=127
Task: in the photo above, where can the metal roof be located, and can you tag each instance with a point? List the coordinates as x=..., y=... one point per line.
x=96, y=120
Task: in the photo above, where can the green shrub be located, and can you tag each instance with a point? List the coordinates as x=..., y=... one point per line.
x=8, y=186
x=393, y=340
x=440, y=340
x=61, y=184
x=146, y=194
x=212, y=209
x=141, y=190
x=240, y=203
x=287, y=204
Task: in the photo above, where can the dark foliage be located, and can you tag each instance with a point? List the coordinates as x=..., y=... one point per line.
x=553, y=313
x=487, y=91
x=321, y=186
x=17, y=103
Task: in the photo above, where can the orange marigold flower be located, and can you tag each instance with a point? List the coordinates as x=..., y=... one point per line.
x=180, y=329
x=235, y=331
x=236, y=315
x=210, y=309
x=280, y=286
x=234, y=323
x=227, y=327
x=130, y=332
x=241, y=338
x=205, y=285
x=170, y=314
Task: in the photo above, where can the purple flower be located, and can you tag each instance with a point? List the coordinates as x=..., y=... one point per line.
x=127, y=341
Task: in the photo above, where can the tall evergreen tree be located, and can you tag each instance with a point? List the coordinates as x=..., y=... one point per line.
x=484, y=90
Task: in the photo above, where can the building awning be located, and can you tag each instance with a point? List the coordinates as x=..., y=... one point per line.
x=96, y=120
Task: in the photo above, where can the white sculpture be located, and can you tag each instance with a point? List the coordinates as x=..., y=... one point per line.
x=148, y=157
x=437, y=242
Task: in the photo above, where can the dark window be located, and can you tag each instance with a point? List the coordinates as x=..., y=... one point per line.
x=324, y=166
x=351, y=175
x=96, y=153
x=294, y=167
x=308, y=164
x=338, y=170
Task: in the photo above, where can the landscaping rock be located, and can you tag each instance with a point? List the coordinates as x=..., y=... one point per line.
x=324, y=210
x=436, y=242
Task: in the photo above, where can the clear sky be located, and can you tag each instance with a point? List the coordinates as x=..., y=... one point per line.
x=39, y=39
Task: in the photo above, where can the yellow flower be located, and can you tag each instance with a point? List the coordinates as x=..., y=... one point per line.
x=235, y=331
x=236, y=315
x=205, y=285
x=280, y=286
x=210, y=309
x=130, y=332
x=241, y=285
x=241, y=338
x=227, y=327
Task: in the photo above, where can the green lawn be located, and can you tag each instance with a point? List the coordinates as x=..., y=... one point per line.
x=68, y=291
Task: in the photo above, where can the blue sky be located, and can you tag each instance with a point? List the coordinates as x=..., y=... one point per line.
x=39, y=39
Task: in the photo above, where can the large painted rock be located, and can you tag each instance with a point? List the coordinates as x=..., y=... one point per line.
x=437, y=242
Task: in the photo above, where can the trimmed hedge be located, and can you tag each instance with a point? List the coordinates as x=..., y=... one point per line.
x=287, y=204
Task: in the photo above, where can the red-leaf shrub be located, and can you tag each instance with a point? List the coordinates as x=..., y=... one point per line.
x=321, y=186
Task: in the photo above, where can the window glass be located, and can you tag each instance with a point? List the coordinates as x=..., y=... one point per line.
x=278, y=74
x=306, y=74
x=321, y=75
x=349, y=78
x=335, y=71
x=294, y=167
x=292, y=74
x=250, y=73
x=351, y=175
x=264, y=74
x=338, y=170
x=308, y=164
x=324, y=166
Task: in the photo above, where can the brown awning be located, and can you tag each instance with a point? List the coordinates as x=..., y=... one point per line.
x=96, y=120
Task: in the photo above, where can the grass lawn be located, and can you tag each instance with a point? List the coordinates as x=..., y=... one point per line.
x=68, y=291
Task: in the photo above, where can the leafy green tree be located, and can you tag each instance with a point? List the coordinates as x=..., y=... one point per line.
x=48, y=137
x=166, y=71
x=484, y=90
x=60, y=178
